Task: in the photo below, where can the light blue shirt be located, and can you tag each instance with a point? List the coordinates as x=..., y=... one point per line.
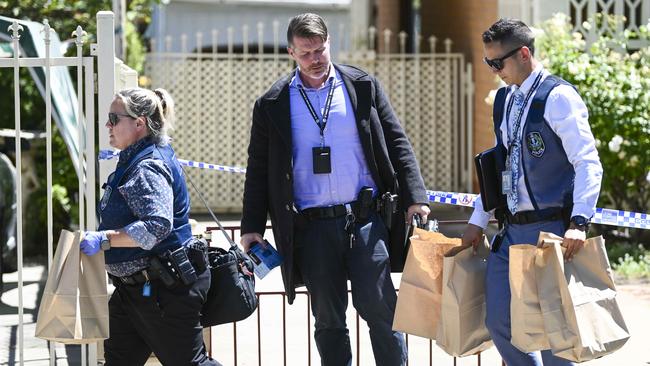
x=349, y=168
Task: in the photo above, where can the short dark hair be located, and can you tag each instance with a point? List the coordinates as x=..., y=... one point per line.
x=307, y=25
x=511, y=33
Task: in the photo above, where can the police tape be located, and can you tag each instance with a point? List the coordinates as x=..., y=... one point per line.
x=110, y=154
x=604, y=216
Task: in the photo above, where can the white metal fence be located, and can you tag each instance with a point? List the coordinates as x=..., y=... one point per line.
x=215, y=91
x=85, y=124
x=636, y=13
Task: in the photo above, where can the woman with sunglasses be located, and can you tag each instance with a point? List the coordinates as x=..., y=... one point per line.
x=144, y=217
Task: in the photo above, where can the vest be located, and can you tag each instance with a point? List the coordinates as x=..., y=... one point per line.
x=115, y=214
x=547, y=172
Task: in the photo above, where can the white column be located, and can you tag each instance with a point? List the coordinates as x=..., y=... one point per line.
x=105, y=85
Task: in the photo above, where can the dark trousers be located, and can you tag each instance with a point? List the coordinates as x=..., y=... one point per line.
x=326, y=261
x=166, y=322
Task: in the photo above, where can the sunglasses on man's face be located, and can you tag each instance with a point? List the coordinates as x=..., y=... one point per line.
x=114, y=118
x=497, y=63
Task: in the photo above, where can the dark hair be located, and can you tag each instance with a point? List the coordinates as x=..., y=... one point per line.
x=511, y=33
x=307, y=25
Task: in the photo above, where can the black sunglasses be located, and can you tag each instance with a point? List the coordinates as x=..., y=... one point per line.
x=114, y=118
x=497, y=63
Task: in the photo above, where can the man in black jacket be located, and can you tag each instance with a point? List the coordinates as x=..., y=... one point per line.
x=321, y=136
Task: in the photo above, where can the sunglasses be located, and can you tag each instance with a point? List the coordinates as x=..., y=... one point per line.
x=497, y=63
x=114, y=118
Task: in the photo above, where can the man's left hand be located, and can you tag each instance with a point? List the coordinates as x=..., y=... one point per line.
x=418, y=208
x=574, y=240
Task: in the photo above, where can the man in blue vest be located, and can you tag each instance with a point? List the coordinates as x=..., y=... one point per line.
x=552, y=174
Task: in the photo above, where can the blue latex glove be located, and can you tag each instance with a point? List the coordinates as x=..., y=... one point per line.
x=91, y=243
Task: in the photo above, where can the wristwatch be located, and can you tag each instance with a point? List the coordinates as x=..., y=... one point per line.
x=105, y=244
x=580, y=222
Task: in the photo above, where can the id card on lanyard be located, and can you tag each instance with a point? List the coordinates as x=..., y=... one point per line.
x=506, y=175
x=321, y=155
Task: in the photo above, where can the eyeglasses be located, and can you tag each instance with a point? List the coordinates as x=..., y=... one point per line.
x=497, y=63
x=114, y=118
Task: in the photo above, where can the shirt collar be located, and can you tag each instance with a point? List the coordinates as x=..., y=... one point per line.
x=296, y=81
x=528, y=83
x=134, y=148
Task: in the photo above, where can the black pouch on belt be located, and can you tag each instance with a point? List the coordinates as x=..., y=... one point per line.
x=387, y=207
x=197, y=254
x=184, y=269
x=364, y=204
x=166, y=277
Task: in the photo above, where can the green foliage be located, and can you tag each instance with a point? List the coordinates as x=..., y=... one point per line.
x=614, y=83
x=64, y=16
x=633, y=266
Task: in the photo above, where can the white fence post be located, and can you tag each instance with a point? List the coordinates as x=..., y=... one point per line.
x=105, y=83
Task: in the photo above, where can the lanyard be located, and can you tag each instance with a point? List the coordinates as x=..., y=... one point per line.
x=328, y=103
x=514, y=137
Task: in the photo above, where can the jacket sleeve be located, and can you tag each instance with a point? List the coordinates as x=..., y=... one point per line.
x=255, y=202
x=400, y=151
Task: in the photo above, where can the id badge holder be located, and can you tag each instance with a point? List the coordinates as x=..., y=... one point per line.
x=322, y=160
x=506, y=182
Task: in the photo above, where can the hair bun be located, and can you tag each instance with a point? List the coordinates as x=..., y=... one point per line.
x=161, y=96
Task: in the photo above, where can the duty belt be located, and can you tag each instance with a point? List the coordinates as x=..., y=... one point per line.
x=330, y=212
x=529, y=217
x=137, y=278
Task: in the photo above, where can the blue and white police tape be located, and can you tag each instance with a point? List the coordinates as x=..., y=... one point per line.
x=604, y=216
x=110, y=154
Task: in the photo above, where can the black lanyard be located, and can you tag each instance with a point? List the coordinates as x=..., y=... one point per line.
x=328, y=103
x=515, y=134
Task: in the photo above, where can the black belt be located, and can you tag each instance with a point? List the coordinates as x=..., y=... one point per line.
x=137, y=278
x=529, y=217
x=331, y=212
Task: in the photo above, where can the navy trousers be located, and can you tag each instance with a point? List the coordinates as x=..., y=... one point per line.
x=497, y=297
x=166, y=322
x=326, y=261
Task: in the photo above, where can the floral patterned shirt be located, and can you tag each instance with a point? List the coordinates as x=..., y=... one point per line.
x=147, y=189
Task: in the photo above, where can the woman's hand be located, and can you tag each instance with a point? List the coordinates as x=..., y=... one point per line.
x=92, y=242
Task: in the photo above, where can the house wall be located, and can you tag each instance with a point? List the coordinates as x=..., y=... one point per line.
x=181, y=17
x=463, y=21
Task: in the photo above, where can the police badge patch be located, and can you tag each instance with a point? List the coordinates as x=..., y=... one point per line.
x=535, y=144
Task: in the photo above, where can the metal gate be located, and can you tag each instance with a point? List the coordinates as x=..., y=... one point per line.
x=82, y=142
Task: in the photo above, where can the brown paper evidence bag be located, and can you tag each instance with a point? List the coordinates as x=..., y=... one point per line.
x=442, y=294
x=567, y=306
x=74, y=306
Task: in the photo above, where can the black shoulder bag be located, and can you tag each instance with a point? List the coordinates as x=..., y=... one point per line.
x=231, y=296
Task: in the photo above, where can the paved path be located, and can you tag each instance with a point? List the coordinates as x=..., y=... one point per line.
x=634, y=300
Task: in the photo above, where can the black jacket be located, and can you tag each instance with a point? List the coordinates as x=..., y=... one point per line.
x=269, y=173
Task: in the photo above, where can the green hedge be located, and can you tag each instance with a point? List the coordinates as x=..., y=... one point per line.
x=614, y=83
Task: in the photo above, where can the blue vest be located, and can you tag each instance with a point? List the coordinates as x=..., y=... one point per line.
x=115, y=214
x=547, y=172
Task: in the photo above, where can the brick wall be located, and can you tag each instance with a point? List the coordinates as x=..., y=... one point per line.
x=387, y=17
x=463, y=21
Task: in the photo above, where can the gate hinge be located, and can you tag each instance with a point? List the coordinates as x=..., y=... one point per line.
x=93, y=49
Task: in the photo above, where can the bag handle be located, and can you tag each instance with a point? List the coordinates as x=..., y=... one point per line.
x=205, y=203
